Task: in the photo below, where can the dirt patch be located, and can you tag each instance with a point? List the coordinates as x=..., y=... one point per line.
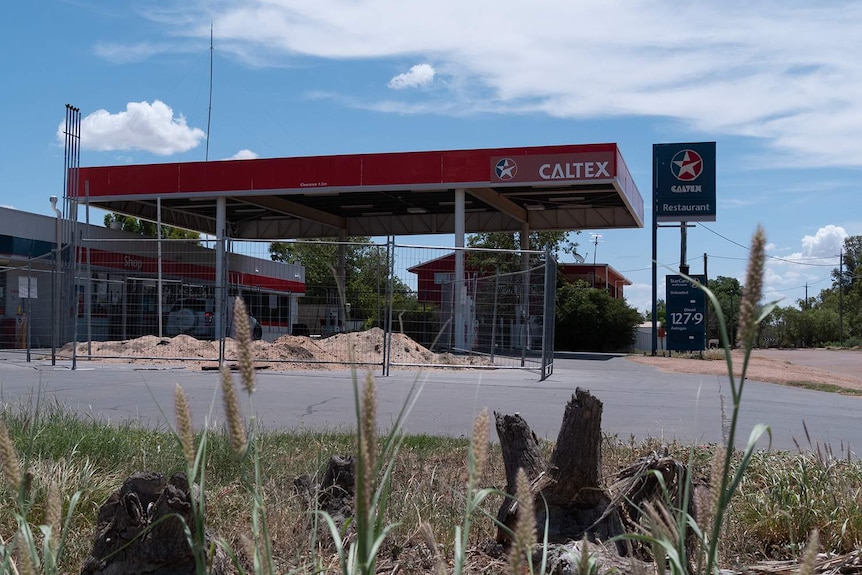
x=760, y=368
x=285, y=353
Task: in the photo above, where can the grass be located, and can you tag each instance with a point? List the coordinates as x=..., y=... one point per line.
x=782, y=496
x=410, y=492
x=826, y=387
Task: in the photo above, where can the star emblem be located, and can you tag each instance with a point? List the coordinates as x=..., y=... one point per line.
x=506, y=169
x=686, y=165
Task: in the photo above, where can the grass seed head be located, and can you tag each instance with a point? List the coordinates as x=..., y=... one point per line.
x=235, y=425
x=54, y=514
x=716, y=471
x=809, y=557
x=369, y=421
x=9, y=459
x=479, y=443
x=184, y=425
x=750, y=302
x=525, y=526
x=245, y=359
x=368, y=439
x=24, y=560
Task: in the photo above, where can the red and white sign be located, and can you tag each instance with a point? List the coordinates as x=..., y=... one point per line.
x=553, y=168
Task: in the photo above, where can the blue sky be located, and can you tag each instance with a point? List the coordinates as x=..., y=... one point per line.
x=774, y=83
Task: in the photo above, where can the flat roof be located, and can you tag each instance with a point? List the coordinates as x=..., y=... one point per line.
x=564, y=187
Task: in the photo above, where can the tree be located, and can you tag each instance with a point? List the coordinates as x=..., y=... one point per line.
x=148, y=228
x=558, y=241
x=847, y=285
x=366, y=273
x=661, y=312
x=590, y=319
x=728, y=291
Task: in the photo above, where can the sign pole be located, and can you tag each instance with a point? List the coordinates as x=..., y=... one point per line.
x=683, y=245
x=683, y=191
x=654, y=257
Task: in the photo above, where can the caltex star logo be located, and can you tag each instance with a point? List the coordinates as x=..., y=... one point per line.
x=686, y=165
x=506, y=169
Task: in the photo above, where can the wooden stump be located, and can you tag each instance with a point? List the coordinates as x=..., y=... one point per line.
x=139, y=530
x=335, y=493
x=570, y=484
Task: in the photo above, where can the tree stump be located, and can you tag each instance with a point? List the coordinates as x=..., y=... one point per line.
x=139, y=530
x=335, y=493
x=569, y=485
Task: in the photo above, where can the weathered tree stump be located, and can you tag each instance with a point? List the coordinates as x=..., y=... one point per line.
x=335, y=493
x=568, y=492
x=570, y=484
x=139, y=530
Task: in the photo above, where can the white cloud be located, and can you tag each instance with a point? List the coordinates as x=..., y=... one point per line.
x=826, y=243
x=142, y=126
x=244, y=154
x=418, y=75
x=811, y=267
x=126, y=53
x=774, y=70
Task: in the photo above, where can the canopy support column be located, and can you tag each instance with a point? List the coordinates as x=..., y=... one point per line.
x=460, y=294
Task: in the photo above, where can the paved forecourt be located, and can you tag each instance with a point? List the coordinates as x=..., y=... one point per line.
x=638, y=400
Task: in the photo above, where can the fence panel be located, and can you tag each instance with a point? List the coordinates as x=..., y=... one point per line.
x=27, y=301
x=490, y=314
x=313, y=302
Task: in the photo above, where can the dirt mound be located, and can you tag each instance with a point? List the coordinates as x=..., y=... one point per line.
x=286, y=352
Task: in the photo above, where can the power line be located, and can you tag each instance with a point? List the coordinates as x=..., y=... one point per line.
x=776, y=258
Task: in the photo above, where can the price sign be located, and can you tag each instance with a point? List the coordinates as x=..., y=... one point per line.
x=686, y=314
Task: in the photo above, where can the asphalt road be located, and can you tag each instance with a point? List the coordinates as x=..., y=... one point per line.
x=638, y=400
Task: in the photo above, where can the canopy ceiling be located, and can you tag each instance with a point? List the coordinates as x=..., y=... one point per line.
x=568, y=187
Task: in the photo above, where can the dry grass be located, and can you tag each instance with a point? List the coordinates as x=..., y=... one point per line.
x=783, y=497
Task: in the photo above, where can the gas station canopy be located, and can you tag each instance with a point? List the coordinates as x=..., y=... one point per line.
x=567, y=187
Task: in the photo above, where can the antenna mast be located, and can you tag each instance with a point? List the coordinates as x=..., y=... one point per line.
x=210, y=109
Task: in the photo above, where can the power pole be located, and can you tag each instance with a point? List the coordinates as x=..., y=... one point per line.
x=841, y=295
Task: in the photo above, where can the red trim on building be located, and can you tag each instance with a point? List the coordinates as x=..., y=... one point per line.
x=539, y=165
x=430, y=291
x=140, y=264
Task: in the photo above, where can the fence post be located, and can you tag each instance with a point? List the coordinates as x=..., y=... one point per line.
x=390, y=298
x=549, y=314
x=494, y=314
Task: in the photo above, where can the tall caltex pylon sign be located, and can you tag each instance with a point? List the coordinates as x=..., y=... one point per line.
x=684, y=182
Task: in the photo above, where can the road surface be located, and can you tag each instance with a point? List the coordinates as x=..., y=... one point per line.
x=638, y=400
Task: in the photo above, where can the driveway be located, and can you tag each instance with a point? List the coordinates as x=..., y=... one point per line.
x=639, y=401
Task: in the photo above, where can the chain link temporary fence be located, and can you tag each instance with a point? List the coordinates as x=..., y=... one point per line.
x=33, y=299
x=473, y=307
x=310, y=302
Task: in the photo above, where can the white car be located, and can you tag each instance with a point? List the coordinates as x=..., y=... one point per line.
x=195, y=316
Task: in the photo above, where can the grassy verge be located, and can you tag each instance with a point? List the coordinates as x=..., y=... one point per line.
x=783, y=496
x=827, y=387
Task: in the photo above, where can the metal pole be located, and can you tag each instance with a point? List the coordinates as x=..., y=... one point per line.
x=494, y=314
x=654, y=338
x=841, y=295
x=683, y=244
x=221, y=217
x=88, y=287
x=159, y=261
x=525, y=291
x=55, y=314
x=460, y=295
x=387, y=334
x=29, y=301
